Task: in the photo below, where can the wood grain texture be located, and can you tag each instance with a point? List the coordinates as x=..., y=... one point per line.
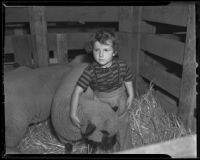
x=62, y=43
x=38, y=29
x=22, y=50
x=167, y=103
x=66, y=13
x=127, y=48
x=163, y=79
x=166, y=48
x=188, y=93
x=174, y=15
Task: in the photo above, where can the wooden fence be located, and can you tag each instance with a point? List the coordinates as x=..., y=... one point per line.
x=169, y=60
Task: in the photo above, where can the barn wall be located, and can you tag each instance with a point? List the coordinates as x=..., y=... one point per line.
x=164, y=54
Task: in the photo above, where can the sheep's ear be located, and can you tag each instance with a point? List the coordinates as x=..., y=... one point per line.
x=89, y=129
x=105, y=132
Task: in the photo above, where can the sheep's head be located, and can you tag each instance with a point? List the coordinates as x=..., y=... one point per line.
x=99, y=123
x=99, y=136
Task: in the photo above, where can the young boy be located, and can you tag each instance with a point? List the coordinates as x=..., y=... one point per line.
x=109, y=77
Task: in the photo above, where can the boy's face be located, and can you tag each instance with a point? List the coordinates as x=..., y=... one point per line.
x=103, y=53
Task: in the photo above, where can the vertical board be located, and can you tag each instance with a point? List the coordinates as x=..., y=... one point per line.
x=130, y=17
x=8, y=48
x=126, y=18
x=128, y=35
x=38, y=28
x=22, y=50
x=187, y=101
x=61, y=52
x=127, y=45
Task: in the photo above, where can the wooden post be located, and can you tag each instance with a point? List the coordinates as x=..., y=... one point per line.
x=131, y=27
x=187, y=101
x=139, y=21
x=61, y=41
x=128, y=16
x=38, y=29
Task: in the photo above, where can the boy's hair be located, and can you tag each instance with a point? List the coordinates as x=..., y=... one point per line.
x=103, y=36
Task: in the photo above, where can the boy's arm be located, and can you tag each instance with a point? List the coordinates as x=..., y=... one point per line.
x=74, y=104
x=129, y=88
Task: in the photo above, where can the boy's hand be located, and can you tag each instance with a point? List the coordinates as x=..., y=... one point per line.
x=129, y=102
x=76, y=121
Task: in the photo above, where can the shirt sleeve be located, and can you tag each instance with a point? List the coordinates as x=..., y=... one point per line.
x=129, y=75
x=85, y=79
x=127, y=72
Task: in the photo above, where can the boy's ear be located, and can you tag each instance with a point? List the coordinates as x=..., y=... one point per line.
x=114, y=53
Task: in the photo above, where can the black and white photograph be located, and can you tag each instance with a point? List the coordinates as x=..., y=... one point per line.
x=100, y=79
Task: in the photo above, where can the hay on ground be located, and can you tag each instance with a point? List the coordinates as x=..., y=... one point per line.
x=40, y=139
x=150, y=123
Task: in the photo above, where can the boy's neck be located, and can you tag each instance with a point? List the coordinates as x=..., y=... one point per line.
x=107, y=65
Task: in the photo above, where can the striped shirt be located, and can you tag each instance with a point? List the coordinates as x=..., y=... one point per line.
x=105, y=79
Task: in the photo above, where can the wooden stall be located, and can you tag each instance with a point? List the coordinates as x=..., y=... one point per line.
x=157, y=42
x=167, y=57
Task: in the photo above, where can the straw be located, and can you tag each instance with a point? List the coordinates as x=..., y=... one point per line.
x=150, y=123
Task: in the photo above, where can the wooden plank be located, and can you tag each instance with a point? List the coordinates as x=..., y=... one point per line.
x=128, y=43
x=8, y=48
x=22, y=50
x=163, y=79
x=166, y=48
x=126, y=20
x=184, y=147
x=174, y=15
x=128, y=29
x=82, y=13
x=7, y=68
x=16, y=14
x=187, y=101
x=51, y=42
x=39, y=31
x=130, y=17
x=167, y=103
x=66, y=13
x=61, y=53
x=144, y=58
x=75, y=40
x=18, y=31
x=147, y=27
x=78, y=40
